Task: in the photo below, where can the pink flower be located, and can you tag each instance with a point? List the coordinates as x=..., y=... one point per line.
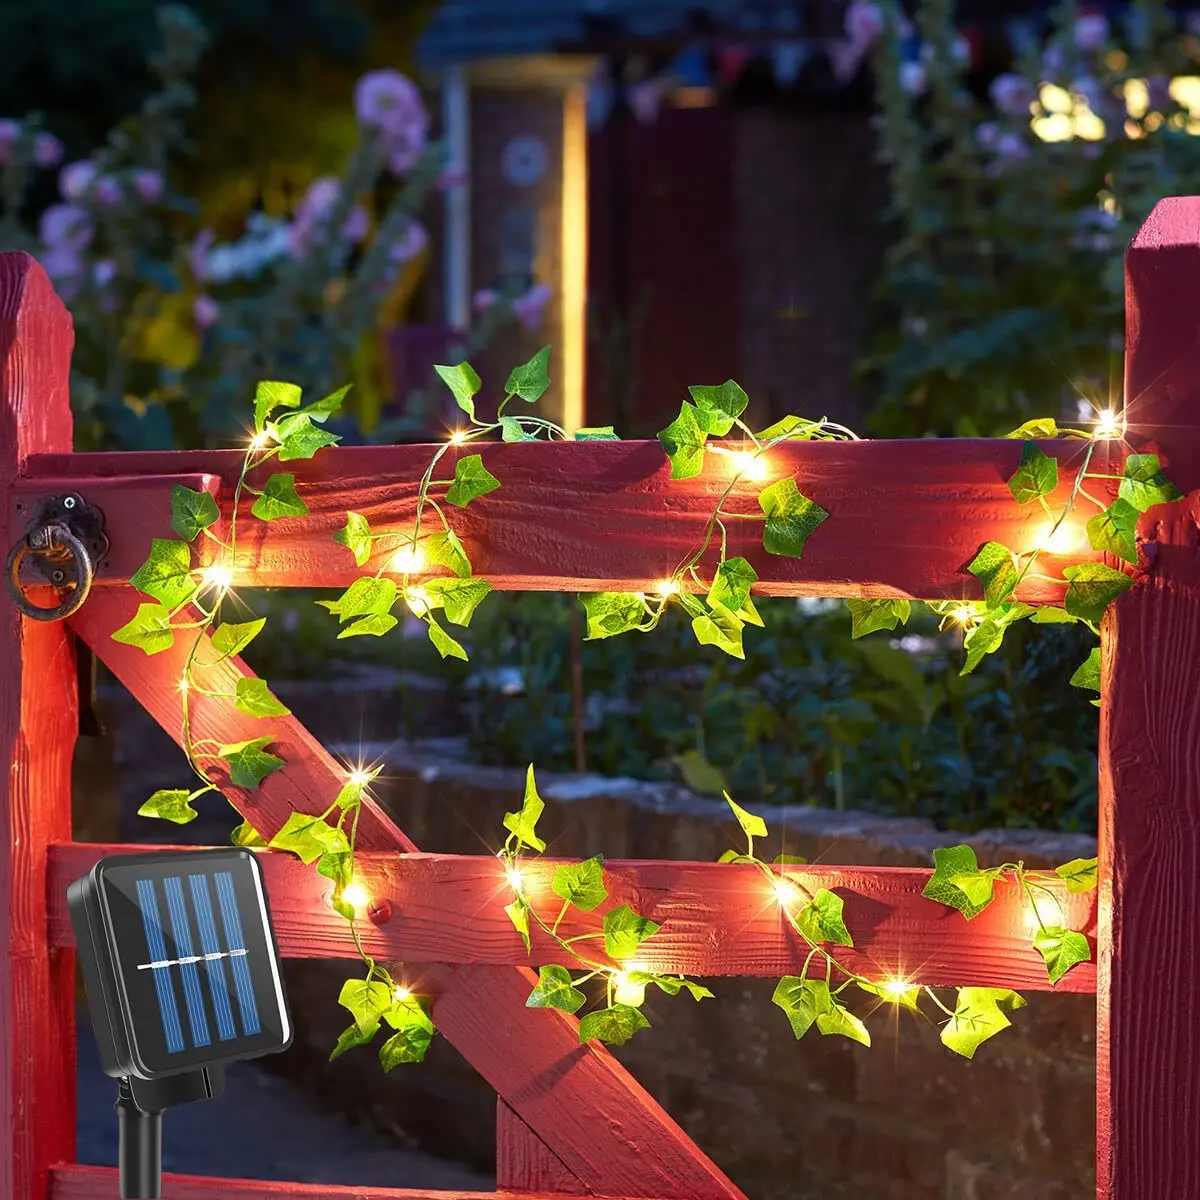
x=1012, y=94
x=104, y=271
x=988, y=134
x=357, y=224
x=47, y=150
x=107, y=191
x=453, y=177
x=528, y=308
x=1091, y=32
x=198, y=254
x=912, y=78
x=63, y=265
x=410, y=244
x=205, y=311
x=321, y=196
x=65, y=227
x=148, y=185
x=483, y=300
x=864, y=22
x=1012, y=148
x=75, y=179
x=387, y=101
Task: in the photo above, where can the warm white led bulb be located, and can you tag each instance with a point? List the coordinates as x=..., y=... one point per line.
x=1109, y=424
x=408, y=559
x=895, y=988
x=400, y=994
x=1062, y=540
x=219, y=575
x=666, y=587
x=752, y=466
x=786, y=893
x=515, y=879
x=356, y=895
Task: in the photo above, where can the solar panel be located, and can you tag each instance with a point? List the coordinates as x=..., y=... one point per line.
x=179, y=960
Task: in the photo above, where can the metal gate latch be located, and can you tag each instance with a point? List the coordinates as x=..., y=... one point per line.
x=64, y=541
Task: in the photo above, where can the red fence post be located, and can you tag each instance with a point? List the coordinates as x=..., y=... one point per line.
x=38, y=725
x=1148, y=1036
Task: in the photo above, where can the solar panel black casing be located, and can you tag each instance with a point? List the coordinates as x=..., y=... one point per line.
x=207, y=912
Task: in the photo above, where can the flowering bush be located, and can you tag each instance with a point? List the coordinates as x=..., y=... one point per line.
x=173, y=326
x=1003, y=292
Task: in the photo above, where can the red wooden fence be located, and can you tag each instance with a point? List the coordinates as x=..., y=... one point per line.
x=598, y=516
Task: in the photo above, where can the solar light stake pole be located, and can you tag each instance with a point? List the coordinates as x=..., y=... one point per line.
x=140, y=1147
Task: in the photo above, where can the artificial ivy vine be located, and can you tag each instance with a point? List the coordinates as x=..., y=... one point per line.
x=715, y=592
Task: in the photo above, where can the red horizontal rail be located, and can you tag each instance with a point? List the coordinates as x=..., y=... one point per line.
x=906, y=517
x=717, y=919
x=100, y=1183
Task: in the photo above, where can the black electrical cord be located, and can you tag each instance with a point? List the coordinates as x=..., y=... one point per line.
x=139, y=1147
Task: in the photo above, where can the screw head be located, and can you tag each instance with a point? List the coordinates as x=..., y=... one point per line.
x=58, y=575
x=69, y=502
x=379, y=912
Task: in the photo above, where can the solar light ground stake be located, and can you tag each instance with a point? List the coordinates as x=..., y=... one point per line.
x=182, y=974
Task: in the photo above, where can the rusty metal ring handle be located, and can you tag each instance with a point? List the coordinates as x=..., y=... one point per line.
x=83, y=569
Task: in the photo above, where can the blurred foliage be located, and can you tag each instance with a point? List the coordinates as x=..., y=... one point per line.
x=807, y=718
x=1002, y=296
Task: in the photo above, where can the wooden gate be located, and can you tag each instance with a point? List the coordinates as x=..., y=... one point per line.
x=571, y=1121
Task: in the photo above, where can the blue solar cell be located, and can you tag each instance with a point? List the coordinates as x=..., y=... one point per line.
x=232, y=921
x=159, y=967
x=197, y=1018
x=214, y=957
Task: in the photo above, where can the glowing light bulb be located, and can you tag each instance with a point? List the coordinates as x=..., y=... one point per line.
x=630, y=991
x=964, y=614
x=516, y=880
x=417, y=599
x=356, y=895
x=893, y=989
x=1047, y=910
x=667, y=587
x=219, y=575
x=786, y=893
x=457, y=438
x=359, y=777
x=1109, y=424
x=400, y=994
x=259, y=441
x=408, y=559
x=753, y=466
x=183, y=684
x=1062, y=540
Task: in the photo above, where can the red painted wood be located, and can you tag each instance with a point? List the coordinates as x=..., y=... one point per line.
x=38, y=725
x=100, y=1183
x=1148, y=1051
x=591, y=516
x=587, y=1119
x=717, y=919
x=525, y=1163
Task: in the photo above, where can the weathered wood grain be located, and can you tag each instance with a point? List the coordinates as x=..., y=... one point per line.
x=525, y=1163
x=717, y=919
x=906, y=517
x=38, y=725
x=1148, y=1052
x=587, y=1116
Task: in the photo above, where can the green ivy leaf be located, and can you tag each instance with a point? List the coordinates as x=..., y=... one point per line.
x=518, y=914
x=732, y=583
x=460, y=597
x=979, y=887
x=530, y=380
x=611, y=613
x=170, y=804
x=270, y=395
x=253, y=697
x=511, y=430
x=279, y=499
x=356, y=537
x=582, y=884
x=717, y=407
x=951, y=861
x=802, y=1001
x=1080, y=874
x=444, y=549
x=309, y=837
x=408, y=1012
x=791, y=428
x=748, y=614
x=445, y=645
x=246, y=835
x=1049, y=615
x=150, y=629
x=978, y=1015
x=1039, y=427
x=232, y=638
x=698, y=773
x=471, y=479
x=464, y=383
x=1087, y=674
x=555, y=990
x=683, y=443
x=996, y=568
x=752, y=826
x=671, y=984
x=791, y=518
x=1144, y=484
x=596, y=433
x=615, y=1025
x=167, y=574
x=523, y=823
x=192, y=511
x=625, y=931
x=337, y=865
x=405, y=1046
x=866, y=616
x=841, y=1021
x=349, y=1038
x=300, y=438
x=365, y=597
x=1115, y=530
x=793, y=860
x=1062, y=949
x=1036, y=476
x=249, y=763
x=1093, y=586
x=983, y=639
x=366, y=1001
x=376, y=625
x=821, y=919
x=720, y=628
x=321, y=410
